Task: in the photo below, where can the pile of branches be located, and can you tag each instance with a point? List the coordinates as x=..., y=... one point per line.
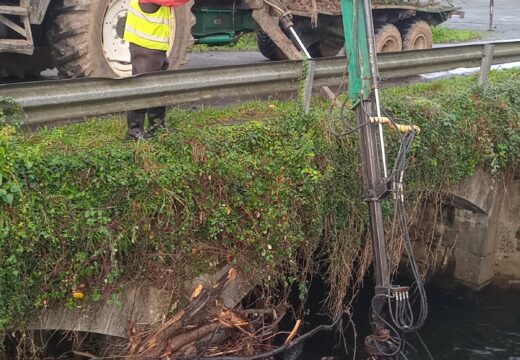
x=205, y=328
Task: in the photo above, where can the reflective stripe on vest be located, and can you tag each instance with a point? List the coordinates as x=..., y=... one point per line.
x=151, y=31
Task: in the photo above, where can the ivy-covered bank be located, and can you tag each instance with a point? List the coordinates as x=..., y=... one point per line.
x=258, y=185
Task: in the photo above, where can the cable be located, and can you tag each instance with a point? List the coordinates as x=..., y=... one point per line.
x=275, y=7
x=406, y=308
x=401, y=354
x=283, y=347
x=424, y=345
x=402, y=314
x=350, y=129
x=380, y=344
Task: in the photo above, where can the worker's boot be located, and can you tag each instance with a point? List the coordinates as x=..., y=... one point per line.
x=135, y=120
x=156, y=120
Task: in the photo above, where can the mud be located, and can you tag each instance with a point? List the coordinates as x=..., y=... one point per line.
x=331, y=7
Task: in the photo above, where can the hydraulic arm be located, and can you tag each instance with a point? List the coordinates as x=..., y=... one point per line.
x=386, y=341
x=362, y=80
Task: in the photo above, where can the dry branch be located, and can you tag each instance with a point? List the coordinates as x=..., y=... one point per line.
x=205, y=328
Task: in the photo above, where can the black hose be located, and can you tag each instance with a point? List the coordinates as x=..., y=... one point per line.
x=282, y=348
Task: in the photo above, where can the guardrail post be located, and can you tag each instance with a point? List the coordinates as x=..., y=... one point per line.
x=485, y=67
x=308, y=85
x=491, y=13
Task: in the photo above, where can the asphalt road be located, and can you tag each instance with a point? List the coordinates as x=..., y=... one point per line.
x=506, y=19
x=506, y=22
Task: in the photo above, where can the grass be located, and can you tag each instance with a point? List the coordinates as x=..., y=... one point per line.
x=443, y=35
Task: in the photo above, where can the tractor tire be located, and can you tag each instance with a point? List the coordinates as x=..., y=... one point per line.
x=268, y=48
x=417, y=35
x=86, y=38
x=388, y=39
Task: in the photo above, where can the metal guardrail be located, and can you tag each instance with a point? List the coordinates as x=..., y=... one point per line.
x=50, y=101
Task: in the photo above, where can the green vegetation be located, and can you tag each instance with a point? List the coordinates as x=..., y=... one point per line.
x=442, y=35
x=259, y=185
x=246, y=42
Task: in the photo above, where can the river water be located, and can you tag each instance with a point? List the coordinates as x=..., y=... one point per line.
x=485, y=325
x=460, y=326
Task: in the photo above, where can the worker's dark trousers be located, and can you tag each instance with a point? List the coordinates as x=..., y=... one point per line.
x=145, y=61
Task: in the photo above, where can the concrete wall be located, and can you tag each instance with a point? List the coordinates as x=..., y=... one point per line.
x=475, y=237
x=508, y=234
x=141, y=304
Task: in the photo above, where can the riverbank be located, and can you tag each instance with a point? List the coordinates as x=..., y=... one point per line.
x=259, y=186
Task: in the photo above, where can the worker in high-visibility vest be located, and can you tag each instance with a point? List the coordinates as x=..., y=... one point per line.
x=148, y=32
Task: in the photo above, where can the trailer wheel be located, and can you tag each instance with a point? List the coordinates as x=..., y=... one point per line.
x=327, y=47
x=86, y=37
x=388, y=39
x=322, y=48
x=268, y=48
x=417, y=35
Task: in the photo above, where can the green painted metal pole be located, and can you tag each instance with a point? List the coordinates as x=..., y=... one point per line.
x=356, y=43
x=362, y=68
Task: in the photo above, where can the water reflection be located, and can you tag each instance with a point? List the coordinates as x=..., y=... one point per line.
x=485, y=325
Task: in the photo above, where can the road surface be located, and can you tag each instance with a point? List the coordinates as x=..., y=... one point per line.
x=506, y=26
x=506, y=19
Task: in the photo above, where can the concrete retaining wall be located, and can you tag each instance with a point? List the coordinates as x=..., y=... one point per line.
x=508, y=234
x=139, y=304
x=476, y=238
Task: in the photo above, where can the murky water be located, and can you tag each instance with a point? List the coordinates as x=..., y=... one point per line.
x=485, y=325
x=471, y=326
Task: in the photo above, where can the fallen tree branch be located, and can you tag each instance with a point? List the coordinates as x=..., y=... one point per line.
x=284, y=347
x=293, y=332
x=188, y=337
x=173, y=334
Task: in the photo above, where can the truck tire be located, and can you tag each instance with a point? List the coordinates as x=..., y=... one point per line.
x=417, y=35
x=388, y=38
x=86, y=38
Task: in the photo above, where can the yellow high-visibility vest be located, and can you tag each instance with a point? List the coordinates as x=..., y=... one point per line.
x=149, y=30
